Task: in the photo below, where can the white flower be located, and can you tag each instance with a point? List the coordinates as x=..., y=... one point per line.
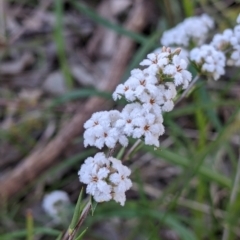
x=184, y=54
x=143, y=82
x=146, y=120
x=225, y=40
x=119, y=196
x=101, y=130
x=93, y=174
x=169, y=93
x=155, y=62
x=120, y=177
x=152, y=102
x=229, y=42
x=209, y=60
x=236, y=31
x=98, y=160
x=120, y=180
x=175, y=37
x=101, y=191
x=128, y=115
x=104, y=195
x=150, y=127
x=106, y=178
x=177, y=70
x=98, y=118
x=193, y=29
x=234, y=59
x=162, y=102
x=124, y=90
x=54, y=203
x=238, y=19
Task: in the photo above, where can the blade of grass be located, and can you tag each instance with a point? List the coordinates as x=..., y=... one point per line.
x=81, y=93
x=23, y=233
x=232, y=200
x=195, y=167
x=106, y=23
x=202, y=125
x=211, y=113
x=82, y=234
x=59, y=39
x=181, y=141
x=29, y=225
x=186, y=163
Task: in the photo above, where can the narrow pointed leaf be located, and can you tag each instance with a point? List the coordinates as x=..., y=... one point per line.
x=81, y=235
x=77, y=212
x=59, y=237
x=93, y=205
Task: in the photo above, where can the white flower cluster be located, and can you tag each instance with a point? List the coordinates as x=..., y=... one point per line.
x=209, y=61
x=150, y=92
x=106, y=178
x=224, y=49
x=55, y=203
x=183, y=54
x=101, y=130
x=193, y=30
x=229, y=43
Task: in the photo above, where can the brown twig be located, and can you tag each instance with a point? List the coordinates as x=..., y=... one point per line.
x=32, y=166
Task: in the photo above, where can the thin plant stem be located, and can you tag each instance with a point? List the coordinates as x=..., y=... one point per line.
x=187, y=90
x=29, y=222
x=131, y=150
x=233, y=195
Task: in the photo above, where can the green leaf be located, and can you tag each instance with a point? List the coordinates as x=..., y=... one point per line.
x=77, y=213
x=60, y=236
x=93, y=205
x=81, y=235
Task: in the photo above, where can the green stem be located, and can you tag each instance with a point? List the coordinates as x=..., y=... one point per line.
x=187, y=90
x=233, y=196
x=29, y=223
x=135, y=145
